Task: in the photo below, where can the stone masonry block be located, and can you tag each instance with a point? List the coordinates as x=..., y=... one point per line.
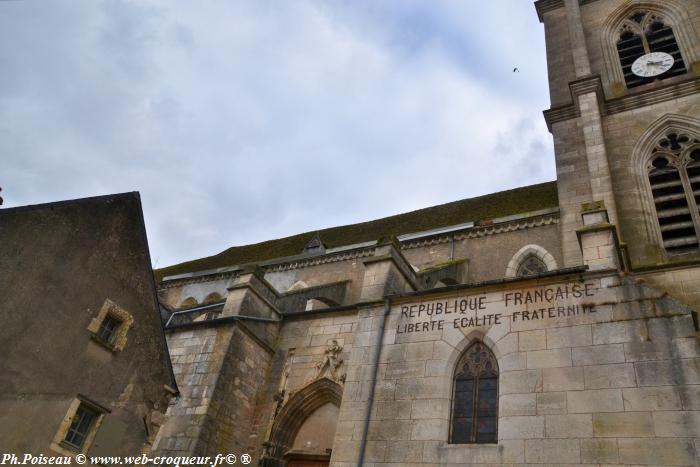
x=677, y=424
x=644, y=451
x=423, y=388
x=401, y=370
x=419, y=351
x=618, y=375
x=651, y=398
x=690, y=397
x=514, y=382
x=429, y=430
x=517, y=404
x=598, y=354
x=595, y=400
x=430, y=408
x=552, y=451
x=623, y=425
x=619, y=332
x=569, y=426
x=392, y=410
x=549, y=358
x=574, y=336
x=532, y=340
x=526, y=427
x=668, y=372
x=405, y=451
x=551, y=403
x=513, y=361
x=599, y=451
x=562, y=379
x=389, y=430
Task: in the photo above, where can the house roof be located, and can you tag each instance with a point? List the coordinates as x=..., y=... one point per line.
x=504, y=203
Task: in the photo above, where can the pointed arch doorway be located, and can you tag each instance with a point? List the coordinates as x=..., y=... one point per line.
x=302, y=434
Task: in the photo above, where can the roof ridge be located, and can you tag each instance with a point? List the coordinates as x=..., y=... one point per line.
x=441, y=215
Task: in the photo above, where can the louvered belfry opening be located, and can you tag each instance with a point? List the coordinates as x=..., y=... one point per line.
x=661, y=39
x=630, y=47
x=674, y=177
x=475, y=404
x=643, y=33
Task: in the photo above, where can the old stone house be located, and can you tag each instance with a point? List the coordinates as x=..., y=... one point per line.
x=83, y=359
x=552, y=324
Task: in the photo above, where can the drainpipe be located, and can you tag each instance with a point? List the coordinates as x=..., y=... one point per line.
x=375, y=368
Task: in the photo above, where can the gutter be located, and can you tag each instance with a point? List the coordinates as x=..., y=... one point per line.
x=375, y=368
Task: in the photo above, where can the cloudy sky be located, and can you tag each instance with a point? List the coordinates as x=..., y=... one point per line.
x=240, y=121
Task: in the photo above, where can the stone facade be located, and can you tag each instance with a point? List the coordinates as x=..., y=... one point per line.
x=597, y=353
x=66, y=267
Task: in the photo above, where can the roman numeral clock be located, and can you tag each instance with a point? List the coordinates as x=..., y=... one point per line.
x=652, y=64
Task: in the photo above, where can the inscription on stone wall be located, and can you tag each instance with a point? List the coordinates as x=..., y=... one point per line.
x=547, y=302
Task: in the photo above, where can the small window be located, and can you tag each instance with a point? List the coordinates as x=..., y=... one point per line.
x=111, y=325
x=475, y=403
x=81, y=423
x=108, y=328
x=80, y=428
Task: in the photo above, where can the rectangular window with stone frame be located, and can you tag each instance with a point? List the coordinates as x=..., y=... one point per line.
x=77, y=430
x=111, y=326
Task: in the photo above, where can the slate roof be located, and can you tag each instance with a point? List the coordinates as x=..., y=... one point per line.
x=504, y=203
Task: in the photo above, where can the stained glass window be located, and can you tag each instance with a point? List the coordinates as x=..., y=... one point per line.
x=531, y=266
x=475, y=403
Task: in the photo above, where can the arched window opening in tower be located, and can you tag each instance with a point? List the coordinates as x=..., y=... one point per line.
x=674, y=178
x=643, y=33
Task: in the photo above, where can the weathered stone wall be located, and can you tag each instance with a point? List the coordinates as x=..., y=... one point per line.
x=637, y=225
x=680, y=283
x=501, y=248
x=300, y=360
x=351, y=270
x=219, y=370
x=502, y=240
x=61, y=262
x=595, y=15
x=560, y=64
x=613, y=386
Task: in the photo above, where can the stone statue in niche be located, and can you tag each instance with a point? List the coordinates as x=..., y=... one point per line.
x=331, y=362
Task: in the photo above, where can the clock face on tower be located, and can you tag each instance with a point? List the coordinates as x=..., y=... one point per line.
x=652, y=64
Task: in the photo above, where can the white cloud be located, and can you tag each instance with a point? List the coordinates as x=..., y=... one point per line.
x=244, y=121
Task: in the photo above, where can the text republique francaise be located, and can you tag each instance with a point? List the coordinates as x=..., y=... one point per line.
x=535, y=304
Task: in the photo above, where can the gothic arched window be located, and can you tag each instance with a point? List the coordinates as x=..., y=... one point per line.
x=643, y=33
x=475, y=401
x=674, y=178
x=531, y=265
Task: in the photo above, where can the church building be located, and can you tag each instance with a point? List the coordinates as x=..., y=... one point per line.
x=553, y=324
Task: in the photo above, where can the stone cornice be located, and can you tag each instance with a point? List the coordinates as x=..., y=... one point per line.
x=560, y=114
x=666, y=93
x=619, y=104
x=197, y=279
x=543, y=6
x=483, y=231
x=317, y=260
x=586, y=85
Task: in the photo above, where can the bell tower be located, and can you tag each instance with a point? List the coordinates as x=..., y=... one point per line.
x=624, y=81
